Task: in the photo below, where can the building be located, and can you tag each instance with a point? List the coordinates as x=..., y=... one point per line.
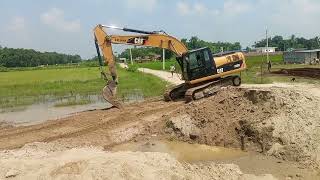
x=302, y=56
x=123, y=60
x=265, y=49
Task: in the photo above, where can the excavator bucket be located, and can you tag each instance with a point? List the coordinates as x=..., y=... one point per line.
x=109, y=94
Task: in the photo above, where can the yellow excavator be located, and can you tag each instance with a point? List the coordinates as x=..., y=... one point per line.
x=204, y=73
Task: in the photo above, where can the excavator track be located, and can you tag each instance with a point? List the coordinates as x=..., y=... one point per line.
x=208, y=89
x=183, y=91
x=175, y=93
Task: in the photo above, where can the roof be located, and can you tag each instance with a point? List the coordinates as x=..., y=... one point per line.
x=308, y=51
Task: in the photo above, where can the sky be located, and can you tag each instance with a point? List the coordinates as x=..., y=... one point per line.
x=65, y=26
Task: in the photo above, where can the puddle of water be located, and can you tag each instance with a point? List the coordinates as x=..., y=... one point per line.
x=135, y=95
x=183, y=151
x=39, y=113
x=46, y=110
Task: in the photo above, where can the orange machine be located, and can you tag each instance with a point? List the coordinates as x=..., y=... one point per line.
x=202, y=71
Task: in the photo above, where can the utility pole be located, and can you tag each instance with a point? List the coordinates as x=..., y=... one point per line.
x=262, y=60
x=131, y=56
x=163, y=59
x=267, y=45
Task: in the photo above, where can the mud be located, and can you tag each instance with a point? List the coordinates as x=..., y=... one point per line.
x=49, y=161
x=183, y=151
x=277, y=121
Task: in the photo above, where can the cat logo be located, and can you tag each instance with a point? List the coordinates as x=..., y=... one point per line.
x=137, y=40
x=220, y=70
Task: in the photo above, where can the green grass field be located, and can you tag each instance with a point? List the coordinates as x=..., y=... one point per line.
x=20, y=88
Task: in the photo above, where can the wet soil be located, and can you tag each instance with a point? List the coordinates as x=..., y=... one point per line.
x=301, y=72
x=274, y=121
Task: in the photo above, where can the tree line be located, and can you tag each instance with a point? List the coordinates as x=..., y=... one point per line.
x=215, y=47
x=290, y=43
x=10, y=57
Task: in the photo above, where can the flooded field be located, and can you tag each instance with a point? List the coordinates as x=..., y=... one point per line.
x=51, y=108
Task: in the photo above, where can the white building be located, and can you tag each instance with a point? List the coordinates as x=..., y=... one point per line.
x=265, y=49
x=123, y=60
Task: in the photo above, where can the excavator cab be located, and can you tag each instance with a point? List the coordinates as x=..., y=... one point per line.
x=197, y=64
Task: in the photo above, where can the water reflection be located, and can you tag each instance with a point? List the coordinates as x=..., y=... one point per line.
x=51, y=108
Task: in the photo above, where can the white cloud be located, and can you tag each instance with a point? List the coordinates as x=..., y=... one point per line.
x=230, y=7
x=233, y=7
x=288, y=17
x=200, y=8
x=145, y=5
x=17, y=24
x=183, y=8
x=18, y=29
x=197, y=8
x=55, y=18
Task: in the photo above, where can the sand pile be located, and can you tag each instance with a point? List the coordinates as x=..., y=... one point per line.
x=278, y=121
x=49, y=161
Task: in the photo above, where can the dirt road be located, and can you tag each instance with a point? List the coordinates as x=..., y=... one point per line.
x=167, y=76
x=279, y=120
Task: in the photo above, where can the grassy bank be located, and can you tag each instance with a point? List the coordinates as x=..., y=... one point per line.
x=18, y=88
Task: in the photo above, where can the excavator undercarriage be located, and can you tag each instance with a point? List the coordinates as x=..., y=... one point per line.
x=189, y=93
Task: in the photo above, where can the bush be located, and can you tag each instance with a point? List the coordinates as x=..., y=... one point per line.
x=133, y=68
x=3, y=69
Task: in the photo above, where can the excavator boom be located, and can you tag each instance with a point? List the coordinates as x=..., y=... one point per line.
x=104, y=42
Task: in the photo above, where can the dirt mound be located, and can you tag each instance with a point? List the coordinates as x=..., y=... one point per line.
x=278, y=121
x=48, y=161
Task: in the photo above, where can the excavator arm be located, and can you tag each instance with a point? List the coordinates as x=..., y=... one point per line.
x=104, y=42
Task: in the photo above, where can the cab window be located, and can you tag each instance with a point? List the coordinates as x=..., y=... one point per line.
x=206, y=56
x=195, y=60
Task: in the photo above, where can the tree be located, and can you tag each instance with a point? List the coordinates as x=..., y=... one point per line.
x=292, y=42
x=10, y=57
